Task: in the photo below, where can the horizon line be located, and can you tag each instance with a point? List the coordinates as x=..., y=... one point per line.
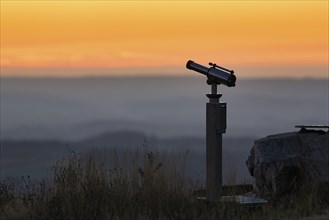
x=159, y=76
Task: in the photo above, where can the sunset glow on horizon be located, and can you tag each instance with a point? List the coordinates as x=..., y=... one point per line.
x=141, y=35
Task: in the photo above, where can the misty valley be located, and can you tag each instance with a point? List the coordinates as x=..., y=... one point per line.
x=36, y=158
x=42, y=119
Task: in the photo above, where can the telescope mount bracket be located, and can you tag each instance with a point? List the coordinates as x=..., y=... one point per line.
x=213, y=96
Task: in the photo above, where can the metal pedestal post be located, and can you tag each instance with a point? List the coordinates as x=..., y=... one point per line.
x=216, y=126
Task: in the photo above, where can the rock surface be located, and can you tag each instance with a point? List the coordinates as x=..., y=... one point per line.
x=280, y=162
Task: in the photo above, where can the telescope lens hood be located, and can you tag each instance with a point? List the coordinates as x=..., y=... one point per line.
x=188, y=64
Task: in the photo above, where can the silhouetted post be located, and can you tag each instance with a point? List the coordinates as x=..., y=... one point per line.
x=215, y=127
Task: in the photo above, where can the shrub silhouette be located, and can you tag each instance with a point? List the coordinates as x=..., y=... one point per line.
x=150, y=189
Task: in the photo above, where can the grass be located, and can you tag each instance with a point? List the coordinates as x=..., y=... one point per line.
x=151, y=187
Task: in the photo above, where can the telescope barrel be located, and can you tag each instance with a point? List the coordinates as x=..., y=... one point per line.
x=197, y=67
x=221, y=76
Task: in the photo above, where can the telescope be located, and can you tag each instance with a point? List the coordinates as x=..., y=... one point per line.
x=215, y=125
x=216, y=74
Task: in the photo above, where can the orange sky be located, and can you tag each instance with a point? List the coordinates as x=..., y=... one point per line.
x=137, y=35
